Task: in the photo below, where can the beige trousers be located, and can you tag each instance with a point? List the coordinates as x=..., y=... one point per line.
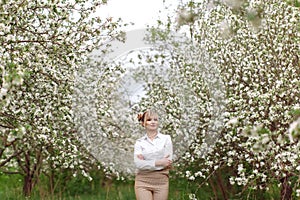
x=153, y=185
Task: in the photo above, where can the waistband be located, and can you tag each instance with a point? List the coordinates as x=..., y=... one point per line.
x=145, y=172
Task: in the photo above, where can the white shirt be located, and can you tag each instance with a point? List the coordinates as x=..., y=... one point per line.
x=160, y=147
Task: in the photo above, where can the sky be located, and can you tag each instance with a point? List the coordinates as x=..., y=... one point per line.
x=140, y=12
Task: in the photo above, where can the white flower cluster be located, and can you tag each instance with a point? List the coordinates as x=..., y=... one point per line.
x=258, y=54
x=192, y=197
x=40, y=50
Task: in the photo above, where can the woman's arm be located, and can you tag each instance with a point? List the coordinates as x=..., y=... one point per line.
x=141, y=163
x=164, y=161
x=169, y=148
x=139, y=160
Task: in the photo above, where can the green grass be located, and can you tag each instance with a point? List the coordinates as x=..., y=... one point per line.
x=100, y=188
x=10, y=187
x=81, y=189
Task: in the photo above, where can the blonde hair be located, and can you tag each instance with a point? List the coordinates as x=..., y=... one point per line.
x=142, y=117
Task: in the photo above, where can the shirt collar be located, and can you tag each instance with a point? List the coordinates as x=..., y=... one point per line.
x=157, y=136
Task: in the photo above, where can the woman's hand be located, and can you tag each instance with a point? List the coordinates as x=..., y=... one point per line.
x=140, y=156
x=165, y=162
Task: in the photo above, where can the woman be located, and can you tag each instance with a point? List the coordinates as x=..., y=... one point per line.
x=153, y=158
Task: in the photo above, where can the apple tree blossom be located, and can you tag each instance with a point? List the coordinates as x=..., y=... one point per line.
x=255, y=47
x=42, y=45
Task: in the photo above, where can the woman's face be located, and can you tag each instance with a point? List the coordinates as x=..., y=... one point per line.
x=151, y=122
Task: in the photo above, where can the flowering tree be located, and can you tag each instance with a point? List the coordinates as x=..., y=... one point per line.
x=246, y=51
x=255, y=47
x=42, y=45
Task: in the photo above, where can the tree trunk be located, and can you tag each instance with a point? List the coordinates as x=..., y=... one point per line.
x=51, y=181
x=212, y=185
x=221, y=185
x=286, y=189
x=28, y=177
x=28, y=185
x=31, y=170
